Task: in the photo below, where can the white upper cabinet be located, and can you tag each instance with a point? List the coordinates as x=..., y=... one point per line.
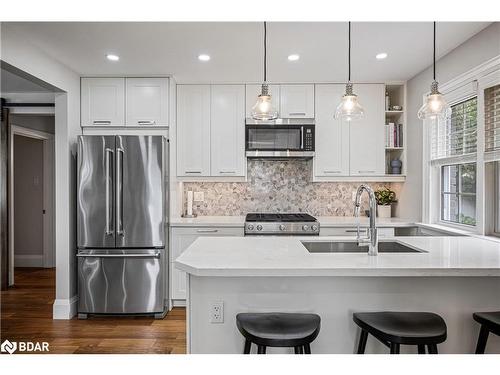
x=193, y=130
x=253, y=91
x=227, y=124
x=332, y=136
x=367, y=148
x=103, y=101
x=147, y=101
x=297, y=101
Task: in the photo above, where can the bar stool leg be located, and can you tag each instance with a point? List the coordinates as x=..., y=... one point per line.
x=362, y=342
x=432, y=349
x=297, y=349
x=248, y=345
x=421, y=349
x=394, y=348
x=307, y=349
x=261, y=349
x=481, y=341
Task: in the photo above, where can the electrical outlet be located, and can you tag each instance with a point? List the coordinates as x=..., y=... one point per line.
x=217, y=312
x=199, y=196
x=353, y=196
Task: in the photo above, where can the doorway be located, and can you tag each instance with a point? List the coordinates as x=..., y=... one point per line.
x=31, y=198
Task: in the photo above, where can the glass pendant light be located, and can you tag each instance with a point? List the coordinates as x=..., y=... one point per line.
x=435, y=105
x=264, y=109
x=349, y=108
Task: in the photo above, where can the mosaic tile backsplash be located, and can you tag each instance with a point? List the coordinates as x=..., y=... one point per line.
x=278, y=186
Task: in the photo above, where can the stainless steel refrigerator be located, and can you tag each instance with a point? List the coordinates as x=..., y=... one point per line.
x=122, y=206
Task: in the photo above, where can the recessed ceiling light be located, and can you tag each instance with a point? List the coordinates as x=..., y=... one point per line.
x=293, y=57
x=203, y=57
x=381, y=56
x=112, y=57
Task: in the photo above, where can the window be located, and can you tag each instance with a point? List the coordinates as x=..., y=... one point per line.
x=492, y=118
x=453, y=154
x=458, y=193
x=458, y=134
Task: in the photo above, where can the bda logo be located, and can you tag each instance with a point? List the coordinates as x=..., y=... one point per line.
x=9, y=347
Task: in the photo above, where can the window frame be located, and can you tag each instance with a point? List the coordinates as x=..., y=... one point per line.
x=470, y=83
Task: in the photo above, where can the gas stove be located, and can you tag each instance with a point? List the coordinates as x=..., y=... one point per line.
x=281, y=224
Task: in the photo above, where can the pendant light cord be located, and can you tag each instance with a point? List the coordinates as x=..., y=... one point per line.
x=349, y=58
x=434, y=54
x=265, y=51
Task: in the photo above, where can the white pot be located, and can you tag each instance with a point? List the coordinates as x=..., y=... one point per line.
x=384, y=211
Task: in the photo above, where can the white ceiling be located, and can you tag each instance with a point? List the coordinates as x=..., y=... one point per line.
x=236, y=49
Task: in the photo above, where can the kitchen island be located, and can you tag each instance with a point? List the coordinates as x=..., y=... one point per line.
x=452, y=276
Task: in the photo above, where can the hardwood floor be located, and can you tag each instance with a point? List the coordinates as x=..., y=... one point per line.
x=26, y=315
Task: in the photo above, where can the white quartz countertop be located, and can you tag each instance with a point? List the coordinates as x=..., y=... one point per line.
x=325, y=221
x=286, y=256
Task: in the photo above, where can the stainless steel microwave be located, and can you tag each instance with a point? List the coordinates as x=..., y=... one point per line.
x=281, y=138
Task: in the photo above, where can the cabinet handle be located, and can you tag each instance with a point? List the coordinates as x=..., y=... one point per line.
x=146, y=122
x=207, y=230
x=366, y=172
x=332, y=171
x=103, y=122
x=297, y=113
x=192, y=172
x=227, y=172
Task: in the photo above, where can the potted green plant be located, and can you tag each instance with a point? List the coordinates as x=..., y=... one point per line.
x=385, y=197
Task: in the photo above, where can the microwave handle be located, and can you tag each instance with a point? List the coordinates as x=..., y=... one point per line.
x=301, y=137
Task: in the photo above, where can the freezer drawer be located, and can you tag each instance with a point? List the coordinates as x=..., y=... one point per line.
x=120, y=281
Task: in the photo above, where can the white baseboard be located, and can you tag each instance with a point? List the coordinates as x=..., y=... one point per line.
x=178, y=303
x=64, y=308
x=21, y=260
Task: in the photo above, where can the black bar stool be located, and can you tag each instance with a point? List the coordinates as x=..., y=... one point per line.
x=402, y=328
x=490, y=322
x=278, y=330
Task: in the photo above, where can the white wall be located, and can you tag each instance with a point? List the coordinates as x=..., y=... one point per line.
x=17, y=51
x=481, y=47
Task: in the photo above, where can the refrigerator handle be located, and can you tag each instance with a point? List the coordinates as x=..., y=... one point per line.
x=109, y=230
x=119, y=192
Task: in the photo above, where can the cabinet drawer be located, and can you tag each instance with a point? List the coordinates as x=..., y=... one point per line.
x=351, y=231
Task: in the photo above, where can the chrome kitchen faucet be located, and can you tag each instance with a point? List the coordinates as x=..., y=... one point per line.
x=372, y=239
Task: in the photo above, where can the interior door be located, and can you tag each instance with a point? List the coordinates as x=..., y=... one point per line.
x=140, y=192
x=95, y=197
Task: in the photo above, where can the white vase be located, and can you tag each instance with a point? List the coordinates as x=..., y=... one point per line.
x=384, y=211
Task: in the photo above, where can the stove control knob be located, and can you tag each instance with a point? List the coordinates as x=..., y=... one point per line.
x=314, y=228
x=250, y=226
x=305, y=227
x=282, y=227
x=259, y=227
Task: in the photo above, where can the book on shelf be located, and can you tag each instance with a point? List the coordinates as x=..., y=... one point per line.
x=393, y=135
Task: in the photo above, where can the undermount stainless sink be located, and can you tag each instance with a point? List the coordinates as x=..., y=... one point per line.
x=352, y=247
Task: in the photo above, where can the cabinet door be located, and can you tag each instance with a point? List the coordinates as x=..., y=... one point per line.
x=367, y=135
x=193, y=130
x=227, y=130
x=182, y=238
x=332, y=136
x=297, y=101
x=147, y=101
x=253, y=91
x=103, y=101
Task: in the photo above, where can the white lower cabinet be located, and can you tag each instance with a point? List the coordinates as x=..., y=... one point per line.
x=181, y=238
x=352, y=231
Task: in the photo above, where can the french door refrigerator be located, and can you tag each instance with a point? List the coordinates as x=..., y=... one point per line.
x=121, y=224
